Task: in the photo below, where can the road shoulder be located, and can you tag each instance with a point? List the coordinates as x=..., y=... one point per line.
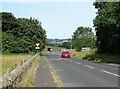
x=44, y=77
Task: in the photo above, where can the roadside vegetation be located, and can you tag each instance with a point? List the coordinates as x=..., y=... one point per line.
x=10, y=61
x=103, y=58
x=80, y=54
x=95, y=57
x=0, y=64
x=107, y=26
x=83, y=37
x=19, y=35
x=29, y=78
x=107, y=39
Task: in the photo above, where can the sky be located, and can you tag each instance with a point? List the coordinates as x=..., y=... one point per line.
x=59, y=19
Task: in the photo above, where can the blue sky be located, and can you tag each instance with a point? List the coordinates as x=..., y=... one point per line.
x=59, y=19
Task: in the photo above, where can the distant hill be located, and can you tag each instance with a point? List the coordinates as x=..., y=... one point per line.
x=58, y=41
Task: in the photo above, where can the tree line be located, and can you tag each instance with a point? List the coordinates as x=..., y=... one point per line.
x=107, y=27
x=83, y=37
x=19, y=35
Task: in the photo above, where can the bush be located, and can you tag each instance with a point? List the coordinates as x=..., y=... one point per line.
x=104, y=58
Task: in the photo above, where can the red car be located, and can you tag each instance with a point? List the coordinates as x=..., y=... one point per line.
x=65, y=54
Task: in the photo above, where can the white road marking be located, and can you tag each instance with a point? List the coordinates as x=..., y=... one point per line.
x=56, y=59
x=75, y=62
x=78, y=63
x=70, y=60
x=94, y=68
x=65, y=59
x=89, y=66
x=110, y=73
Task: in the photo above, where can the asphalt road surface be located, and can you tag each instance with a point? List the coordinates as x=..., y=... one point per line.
x=82, y=73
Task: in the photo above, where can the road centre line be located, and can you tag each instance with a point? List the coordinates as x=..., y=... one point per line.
x=94, y=68
x=70, y=60
x=78, y=63
x=84, y=65
x=75, y=62
x=110, y=73
x=89, y=66
x=65, y=59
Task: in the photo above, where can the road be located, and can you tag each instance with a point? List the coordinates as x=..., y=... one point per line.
x=82, y=73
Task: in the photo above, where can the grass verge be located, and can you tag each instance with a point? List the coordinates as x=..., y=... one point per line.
x=29, y=78
x=10, y=60
x=103, y=58
x=79, y=54
x=0, y=64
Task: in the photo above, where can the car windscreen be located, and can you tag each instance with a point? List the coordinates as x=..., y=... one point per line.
x=66, y=52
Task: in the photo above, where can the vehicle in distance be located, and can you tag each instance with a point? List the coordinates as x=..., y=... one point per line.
x=50, y=49
x=65, y=54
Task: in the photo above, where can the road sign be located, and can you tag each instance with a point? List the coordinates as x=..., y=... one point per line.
x=87, y=49
x=37, y=46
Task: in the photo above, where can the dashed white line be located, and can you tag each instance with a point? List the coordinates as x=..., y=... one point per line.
x=74, y=62
x=94, y=68
x=89, y=66
x=110, y=73
x=78, y=63
x=65, y=59
x=70, y=60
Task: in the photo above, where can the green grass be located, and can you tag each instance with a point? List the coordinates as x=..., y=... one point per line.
x=10, y=60
x=104, y=58
x=0, y=65
x=93, y=50
x=79, y=54
x=29, y=77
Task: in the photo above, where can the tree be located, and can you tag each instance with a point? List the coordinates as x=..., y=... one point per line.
x=66, y=45
x=9, y=21
x=83, y=37
x=20, y=35
x=7, y=42
x=107, y=26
